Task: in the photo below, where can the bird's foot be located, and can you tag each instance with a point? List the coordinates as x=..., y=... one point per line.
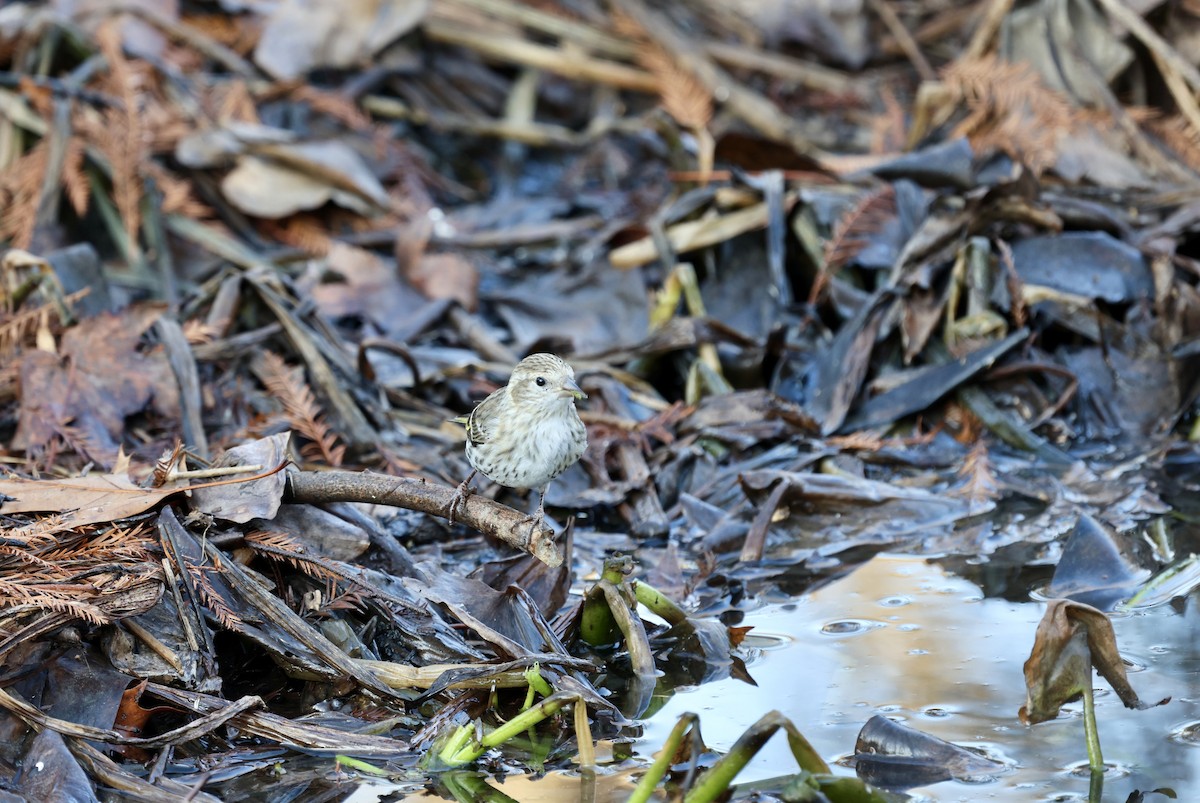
x=457, y=504
x=535, y=521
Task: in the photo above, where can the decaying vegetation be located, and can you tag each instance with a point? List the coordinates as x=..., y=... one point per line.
x=837, y=278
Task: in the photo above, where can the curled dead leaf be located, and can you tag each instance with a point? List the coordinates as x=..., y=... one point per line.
x=1070, y=640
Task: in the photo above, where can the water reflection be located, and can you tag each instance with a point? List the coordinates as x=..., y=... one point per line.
x=949, y=662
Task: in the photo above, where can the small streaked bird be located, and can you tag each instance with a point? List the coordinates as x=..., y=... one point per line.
x=526, y=433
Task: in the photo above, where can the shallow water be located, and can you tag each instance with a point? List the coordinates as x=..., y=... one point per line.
x=901, y=637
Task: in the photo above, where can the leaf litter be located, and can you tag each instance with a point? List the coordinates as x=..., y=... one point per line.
x=930, y=289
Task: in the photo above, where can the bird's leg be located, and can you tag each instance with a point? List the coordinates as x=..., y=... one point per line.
x=535, y=520
x=460, y=497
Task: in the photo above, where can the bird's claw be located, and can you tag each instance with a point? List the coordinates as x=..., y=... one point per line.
x=458, y=503
x=535, y=521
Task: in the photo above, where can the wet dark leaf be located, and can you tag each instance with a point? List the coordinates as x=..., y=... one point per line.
x=1095, y=567
x=896, y=756
x=1089, y=264
x=929, y=383
x=827, y=385
x=53, y=773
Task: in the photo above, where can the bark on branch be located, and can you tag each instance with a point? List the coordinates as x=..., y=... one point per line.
x=490, y=518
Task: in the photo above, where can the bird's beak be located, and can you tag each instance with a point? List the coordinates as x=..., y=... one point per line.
x=569, y=388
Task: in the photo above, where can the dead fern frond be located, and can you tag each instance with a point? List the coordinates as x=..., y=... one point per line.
x=198, y=332
x=212, y=599
x=682, y=94
x=280, y=546
x=120, y=137
x=75, y=183
x=20, y=330
x=887, y=128
x=238, y=33
x=20, y=186
x=177, y=195
x=14, y=558
x=19, y=593
x=1178, y=135
x=234, y=103
x=977, y=480
x=134, y=541
x=301, y=409
x=302, y=231
x=37, y=534
x=1010, y=109
x=849, y=236
x=72, y=607
x=857, y=442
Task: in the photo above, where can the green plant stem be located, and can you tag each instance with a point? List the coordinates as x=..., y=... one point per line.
x=654, y=599
x=645, y=787
x=361, y=766
x=1090, y=729
x=463, y=748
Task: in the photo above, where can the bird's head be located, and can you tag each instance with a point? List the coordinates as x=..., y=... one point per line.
x=544, y=381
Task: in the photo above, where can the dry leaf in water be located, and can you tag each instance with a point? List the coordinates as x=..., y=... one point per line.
x=1070, y=640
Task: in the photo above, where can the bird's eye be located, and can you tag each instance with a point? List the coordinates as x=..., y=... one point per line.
x=541, y=381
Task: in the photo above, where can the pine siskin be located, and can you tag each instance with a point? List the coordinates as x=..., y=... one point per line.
x=526, y=433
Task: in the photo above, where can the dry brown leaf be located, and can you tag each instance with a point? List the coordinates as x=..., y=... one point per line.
x=83, y=394
x=94, y=499
x=357, y=282
x=282, y=178
x=1070, y=640
x=447, y=275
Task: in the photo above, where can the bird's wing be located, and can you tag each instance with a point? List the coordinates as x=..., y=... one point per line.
x=481, y=423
